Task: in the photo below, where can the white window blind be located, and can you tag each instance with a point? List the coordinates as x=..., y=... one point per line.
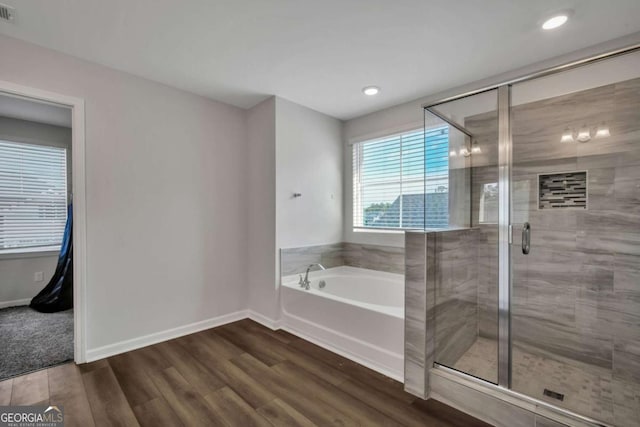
x=33, y=195
x=402, y=181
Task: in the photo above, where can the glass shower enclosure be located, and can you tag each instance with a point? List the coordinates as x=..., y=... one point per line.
x=545, y=173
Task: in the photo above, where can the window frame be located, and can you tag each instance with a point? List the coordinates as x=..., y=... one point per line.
x=356, y=196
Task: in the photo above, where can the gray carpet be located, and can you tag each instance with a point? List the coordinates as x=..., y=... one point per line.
x=30, y=340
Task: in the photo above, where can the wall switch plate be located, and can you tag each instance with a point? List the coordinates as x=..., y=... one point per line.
x=38, y=276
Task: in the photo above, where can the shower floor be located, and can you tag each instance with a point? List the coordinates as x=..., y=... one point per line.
x=588, y=390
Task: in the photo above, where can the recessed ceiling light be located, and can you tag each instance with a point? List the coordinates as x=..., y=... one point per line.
x=554, y=22
x=370, y=90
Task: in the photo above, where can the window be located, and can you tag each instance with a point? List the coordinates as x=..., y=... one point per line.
x=402, y=181
x=33, y=195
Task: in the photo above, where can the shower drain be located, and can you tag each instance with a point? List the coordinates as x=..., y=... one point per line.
x=553, y=394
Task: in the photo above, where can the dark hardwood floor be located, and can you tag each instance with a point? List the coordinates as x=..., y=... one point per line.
x=241, y=374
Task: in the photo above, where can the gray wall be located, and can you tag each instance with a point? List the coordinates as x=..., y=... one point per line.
x=308, y=161
x=35, y=133
x=291, y=149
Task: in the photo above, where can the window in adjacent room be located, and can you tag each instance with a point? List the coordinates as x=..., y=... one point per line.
x=33, y=195
x=402, y=181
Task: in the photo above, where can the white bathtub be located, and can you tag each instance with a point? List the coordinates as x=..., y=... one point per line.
x=358, y=314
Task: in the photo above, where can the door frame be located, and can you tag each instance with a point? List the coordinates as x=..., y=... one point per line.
x=78, y=188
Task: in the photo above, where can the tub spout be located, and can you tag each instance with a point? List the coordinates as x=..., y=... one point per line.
x=305, y=282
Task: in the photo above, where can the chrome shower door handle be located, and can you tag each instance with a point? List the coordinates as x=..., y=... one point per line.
x=526, y=238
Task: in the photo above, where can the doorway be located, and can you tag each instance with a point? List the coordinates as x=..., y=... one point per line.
x=42, y=229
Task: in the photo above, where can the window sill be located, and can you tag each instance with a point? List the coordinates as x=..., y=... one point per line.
x=39, y=252
x=381, y=230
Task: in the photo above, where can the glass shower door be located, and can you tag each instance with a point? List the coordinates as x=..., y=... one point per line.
x=575, y=257
x=466, y=282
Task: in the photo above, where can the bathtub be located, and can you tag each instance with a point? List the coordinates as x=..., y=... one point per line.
x=359, y=314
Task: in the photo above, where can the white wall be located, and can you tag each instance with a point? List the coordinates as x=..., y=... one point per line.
x=181, y=194
x=309, y=160
x=261, y=173
x=291, y=149
x=17, y=270
x=166, y=199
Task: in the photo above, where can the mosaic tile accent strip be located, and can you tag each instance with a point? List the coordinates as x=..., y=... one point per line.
x=563, y=190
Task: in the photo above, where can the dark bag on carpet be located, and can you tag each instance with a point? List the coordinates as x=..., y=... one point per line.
x=58, y=294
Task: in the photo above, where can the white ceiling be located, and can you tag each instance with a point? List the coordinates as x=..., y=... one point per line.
x=317, y=53
x=25, y=109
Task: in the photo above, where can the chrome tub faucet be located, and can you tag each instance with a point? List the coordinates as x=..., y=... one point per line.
x=304, y=283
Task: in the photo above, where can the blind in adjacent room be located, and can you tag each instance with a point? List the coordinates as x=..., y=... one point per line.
x=33, y=195
x=402, y=182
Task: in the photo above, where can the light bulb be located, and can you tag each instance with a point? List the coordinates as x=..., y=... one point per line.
x=603, y=131
x=475, y=149
x=453, y=153
x=465, y=152
x=567, y=136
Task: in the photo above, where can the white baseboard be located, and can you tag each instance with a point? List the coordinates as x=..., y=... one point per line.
x=157, y=337
x=264, y=320
x=15, y=303
x=146, y=340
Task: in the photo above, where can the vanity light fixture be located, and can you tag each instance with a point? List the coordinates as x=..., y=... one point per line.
x=371, y=90
x=585, y=133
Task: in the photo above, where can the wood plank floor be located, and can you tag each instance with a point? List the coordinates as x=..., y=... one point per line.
x=241, y=374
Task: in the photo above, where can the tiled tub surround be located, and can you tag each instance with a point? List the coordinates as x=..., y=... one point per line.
x=372, y=257
x=296, y=260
